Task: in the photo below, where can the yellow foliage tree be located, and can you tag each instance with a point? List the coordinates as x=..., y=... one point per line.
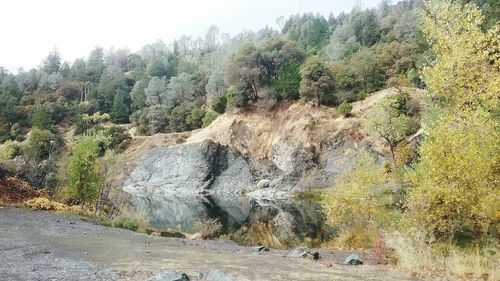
x=456, y=183
x=357, y=200
x=465, y=72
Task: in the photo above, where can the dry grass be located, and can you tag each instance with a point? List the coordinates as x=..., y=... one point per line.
x=353, y=238
x=208, y=228
x=131, y=220
x=46, y=204
x=419, y=257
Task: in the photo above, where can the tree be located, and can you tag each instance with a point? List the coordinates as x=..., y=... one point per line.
x=287, y=82
x=465, y=72
x=317, y=82
x=156, y=92
x=41, y=144
x=181, y=89
x=112, y=82
x=359, y=186
x=454, y=189
x=95, y=65
x=84, y=181
x=119, y=111
x=366, y=28
x=138, y=94
x=52, y=62
x=388, y=122
x=364, y=65
x=195, y=119
x=245, y=70
x=455, y=185
x=41, y=118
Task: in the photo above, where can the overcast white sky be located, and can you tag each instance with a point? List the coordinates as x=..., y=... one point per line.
x=31, y=28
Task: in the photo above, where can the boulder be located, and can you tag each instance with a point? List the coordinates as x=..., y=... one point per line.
x=263, y=183
x=353, y=259
x=303, y=252
x=299, y=252
x=169, y=276
x=215, y=275
x=189, y=168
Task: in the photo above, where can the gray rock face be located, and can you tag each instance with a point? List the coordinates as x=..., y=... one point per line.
x=189, y=168
x=169, y=276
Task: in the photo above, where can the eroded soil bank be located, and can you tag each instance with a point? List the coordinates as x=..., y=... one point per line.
x=47, y=246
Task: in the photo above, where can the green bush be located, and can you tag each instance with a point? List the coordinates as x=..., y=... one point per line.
x=41, y=144
x=195, y=119
x=345, y=108
x=209, y=118
x=220, y=104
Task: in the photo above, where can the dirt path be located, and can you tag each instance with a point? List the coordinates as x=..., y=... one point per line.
x=46, y=246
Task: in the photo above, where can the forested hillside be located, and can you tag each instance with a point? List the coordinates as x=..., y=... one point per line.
x=182, y=85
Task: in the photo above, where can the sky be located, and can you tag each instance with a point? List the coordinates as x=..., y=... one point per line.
x=32, y=28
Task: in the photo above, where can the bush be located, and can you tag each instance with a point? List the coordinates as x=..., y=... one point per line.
x=220, y=104
x=195, y=119
x=455, y=185
x=208, y=228
x=41, y=144
x=45, y=204
x=209, y=118
x=345, y=108
x=131, y=220
x=9, y=150
x=357, y=205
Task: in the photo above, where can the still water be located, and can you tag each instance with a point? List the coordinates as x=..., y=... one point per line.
x=280, y=224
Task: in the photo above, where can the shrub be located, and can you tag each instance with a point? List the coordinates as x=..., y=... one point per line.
x=41, y=144
x=195, y=119
x=345, y=108
x=9, y=150
x=209, y=118
x=45, y=204
x=131, y=220
x=83, y=170
x=208, y=228
x=356, y=205
x=455, y=184
x=220, y=104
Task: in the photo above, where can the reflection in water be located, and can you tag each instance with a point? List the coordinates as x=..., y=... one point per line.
x=283, y=223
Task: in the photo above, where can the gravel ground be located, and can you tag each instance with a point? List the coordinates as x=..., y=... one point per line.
x=47, y=246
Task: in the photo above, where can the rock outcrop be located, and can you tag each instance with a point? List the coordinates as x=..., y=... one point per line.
x=190, y=168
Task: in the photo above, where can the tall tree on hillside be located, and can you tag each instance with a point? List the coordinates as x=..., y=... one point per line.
x=52, y=62
x=317, y=82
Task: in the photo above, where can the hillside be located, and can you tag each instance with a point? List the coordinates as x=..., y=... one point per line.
x=292, y=146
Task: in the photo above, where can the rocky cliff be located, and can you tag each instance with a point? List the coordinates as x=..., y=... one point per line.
x=288, y=148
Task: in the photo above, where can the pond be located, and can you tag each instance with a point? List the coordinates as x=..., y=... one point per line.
x=273, y=223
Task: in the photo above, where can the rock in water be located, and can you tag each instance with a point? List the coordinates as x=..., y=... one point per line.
x=169, y=276
x=215, y=275
x=353, y=259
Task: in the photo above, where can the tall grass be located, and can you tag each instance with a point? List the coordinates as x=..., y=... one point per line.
x=418, y=256
x=132, y=220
